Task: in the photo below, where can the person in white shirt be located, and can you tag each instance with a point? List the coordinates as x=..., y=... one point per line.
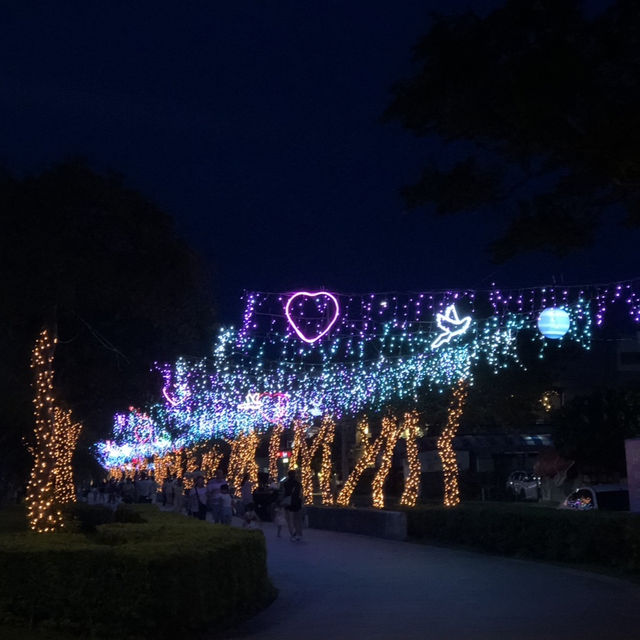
x=225, y=502
x=198, y=499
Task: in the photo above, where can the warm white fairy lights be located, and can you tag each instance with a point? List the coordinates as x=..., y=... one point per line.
x=412, y=483
x=211, y=459
x=445, y=445
x=328, y=434
x=65, y=435
x=368, y=458
x=242, y=460
x=389, y=435
x=56, y=435
x=274, y=449
x=303, y=454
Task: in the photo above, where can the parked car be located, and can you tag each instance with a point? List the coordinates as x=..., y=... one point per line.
x=605, y=497
x=524, y=485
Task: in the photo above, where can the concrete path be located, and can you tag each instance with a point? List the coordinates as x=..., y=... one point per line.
x=336, y=586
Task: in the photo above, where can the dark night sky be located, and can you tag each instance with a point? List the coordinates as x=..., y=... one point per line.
x=257, y=126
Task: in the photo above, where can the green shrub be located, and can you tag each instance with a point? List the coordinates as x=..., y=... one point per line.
x=594, y=538
x=125, y=513
x=164, y=578
x=83, y=517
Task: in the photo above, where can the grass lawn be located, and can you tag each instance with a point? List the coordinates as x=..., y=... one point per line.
x=13, y=520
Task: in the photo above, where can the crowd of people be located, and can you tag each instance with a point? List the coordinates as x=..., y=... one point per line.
x=210, y=499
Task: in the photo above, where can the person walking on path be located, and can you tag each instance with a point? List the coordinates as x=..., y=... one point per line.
x=225, y=504
x=279, y=518
x=214, y=504
x=246, y=492
x=292, y=502
x=178, y=494
x=198, y=498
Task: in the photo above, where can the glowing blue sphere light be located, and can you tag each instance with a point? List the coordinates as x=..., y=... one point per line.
x=554, y=323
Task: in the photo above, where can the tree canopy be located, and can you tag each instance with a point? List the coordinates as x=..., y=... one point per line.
x=591, y=429
x=83, y=253
x=542, y=102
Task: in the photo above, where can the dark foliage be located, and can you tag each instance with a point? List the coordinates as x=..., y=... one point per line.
x=85, y=254
x=546, y=100
x=83, y=517
x=592, y=429
x=610, y=540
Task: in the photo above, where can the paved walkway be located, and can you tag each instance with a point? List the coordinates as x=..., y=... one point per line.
x=336, y=586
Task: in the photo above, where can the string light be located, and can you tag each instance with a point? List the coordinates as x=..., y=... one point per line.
x=303, y=453
x=300, y=459
x=211, y=459
x=445, y=445
x=378, y=349
x=242, y=460
x=274, y=449
x=162, y=468
x=412, y=483
x=328, y=432
x=389, y=435
x=368, y=458
x=56, y=435
x=65, y=438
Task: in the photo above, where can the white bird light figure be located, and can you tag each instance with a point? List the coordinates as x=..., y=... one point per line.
x=451, y=325
x=252, y=402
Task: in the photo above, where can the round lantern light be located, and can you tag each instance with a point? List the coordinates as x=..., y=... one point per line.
x=554, y=323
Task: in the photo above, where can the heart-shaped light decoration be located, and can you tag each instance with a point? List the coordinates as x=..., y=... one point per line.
x=275, y=407
x=315, y=294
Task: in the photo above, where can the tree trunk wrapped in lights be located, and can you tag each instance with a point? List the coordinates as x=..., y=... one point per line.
x=242, y=459
x=211, y=459
x=328, y=432
x=300, y=457
x=305, y=453
x=412, y=483
x=56, y=436
x=445, y=445
x=161, y=468
x=191, y=466
x=274, y=450
x=368, y=458
x=389, y=435
x=66, y=434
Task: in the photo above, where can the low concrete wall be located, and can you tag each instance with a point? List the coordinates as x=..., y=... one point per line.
x=368, y=522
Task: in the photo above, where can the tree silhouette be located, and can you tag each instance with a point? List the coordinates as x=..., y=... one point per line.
x=104, y=266
x=545, y=100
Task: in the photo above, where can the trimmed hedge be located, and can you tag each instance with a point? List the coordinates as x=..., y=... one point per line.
x=85, y=518
x=171, y=575
x=610, y=540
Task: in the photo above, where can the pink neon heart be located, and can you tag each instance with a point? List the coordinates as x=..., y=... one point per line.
x=278, y=410
x=315, y=294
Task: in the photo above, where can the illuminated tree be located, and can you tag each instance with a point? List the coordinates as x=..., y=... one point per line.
x=303, y=453
x=445, y=445
x=274, y=450
x=242, y=459
x=56, y=436
x=389, y=435
x=384, y=444
x=412, y=483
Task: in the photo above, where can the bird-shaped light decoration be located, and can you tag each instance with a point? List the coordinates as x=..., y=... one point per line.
x=252, y=402
x=451, y=326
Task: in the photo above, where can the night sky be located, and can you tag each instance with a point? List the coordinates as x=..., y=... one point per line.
x=257, y=126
